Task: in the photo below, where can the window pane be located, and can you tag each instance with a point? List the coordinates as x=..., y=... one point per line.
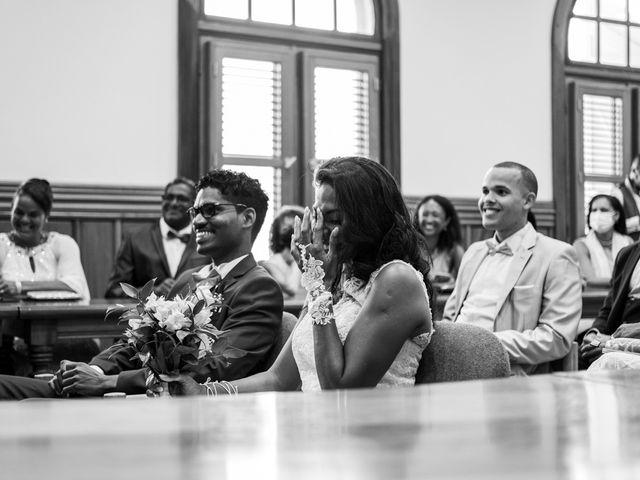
x=251, y=107
x=582, y=40
x=613, y=9
x=634, y=45
x=591, y=189
x=315, y=14
x=272, y=11
x=227, y=8
x=602, y=135
x=341, y=106
x=585, y=7
x=270, y=182
x=613, y=44
x=355, y=16
x=634, y=11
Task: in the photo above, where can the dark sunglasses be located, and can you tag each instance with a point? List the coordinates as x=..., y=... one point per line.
x=208, y=210
x=177, y=198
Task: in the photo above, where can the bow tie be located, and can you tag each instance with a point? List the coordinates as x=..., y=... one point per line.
x=495, y=248
x=209, y=278
x=184, y=237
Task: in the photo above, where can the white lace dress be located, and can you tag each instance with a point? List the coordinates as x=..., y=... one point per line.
x=402, y=371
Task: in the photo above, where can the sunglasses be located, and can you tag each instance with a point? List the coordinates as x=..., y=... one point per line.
x=209, y=210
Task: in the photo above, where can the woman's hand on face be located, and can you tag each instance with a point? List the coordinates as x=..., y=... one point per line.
x=310, y=232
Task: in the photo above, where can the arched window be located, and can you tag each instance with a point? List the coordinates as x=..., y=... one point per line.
x=273, y=87
x=596, y=77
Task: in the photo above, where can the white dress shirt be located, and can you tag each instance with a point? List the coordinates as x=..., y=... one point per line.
x=479, y=307
x=173, y=247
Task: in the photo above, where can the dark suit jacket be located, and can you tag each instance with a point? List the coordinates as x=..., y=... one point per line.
x=141, y=257
x=610, y=315
x=253, y=319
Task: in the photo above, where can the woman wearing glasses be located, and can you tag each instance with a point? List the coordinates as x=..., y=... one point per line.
x=368, y=316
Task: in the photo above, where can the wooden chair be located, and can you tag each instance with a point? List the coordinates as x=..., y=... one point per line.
x=459, y=351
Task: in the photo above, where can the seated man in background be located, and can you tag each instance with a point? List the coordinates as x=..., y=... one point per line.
x=619, y=316
x=163, y=250
x=227, y=215
x=521, y=285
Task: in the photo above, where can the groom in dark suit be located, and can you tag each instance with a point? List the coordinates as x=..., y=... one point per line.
x=227, y=215
x=163, y=250
x=619, y=316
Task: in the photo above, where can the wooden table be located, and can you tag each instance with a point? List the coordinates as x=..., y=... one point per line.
x=543, y=427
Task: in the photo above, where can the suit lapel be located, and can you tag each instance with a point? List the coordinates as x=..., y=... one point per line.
x=520, y=258
x=469, y=273
x=156, y=240
x=630, y=266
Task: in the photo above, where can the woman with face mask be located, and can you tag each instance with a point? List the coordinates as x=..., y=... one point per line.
x=607, y=236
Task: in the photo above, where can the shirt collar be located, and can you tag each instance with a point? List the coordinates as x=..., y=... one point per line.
x=164, y=229
x=224, y=268
x=515, y=239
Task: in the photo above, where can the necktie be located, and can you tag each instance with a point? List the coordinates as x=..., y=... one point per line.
x=209, y=278
x=494, y=248
x=184, y=237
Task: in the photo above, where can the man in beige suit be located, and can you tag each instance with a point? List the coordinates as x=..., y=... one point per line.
x=521, y=285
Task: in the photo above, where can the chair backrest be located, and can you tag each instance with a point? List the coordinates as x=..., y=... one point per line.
x=459, y=351
x=289, y=321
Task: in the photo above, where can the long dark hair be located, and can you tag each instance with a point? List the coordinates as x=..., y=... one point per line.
x=376, y=226
x=621, y=224
x=452, y=234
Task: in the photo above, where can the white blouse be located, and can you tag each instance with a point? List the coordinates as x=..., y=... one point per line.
x=56, y=259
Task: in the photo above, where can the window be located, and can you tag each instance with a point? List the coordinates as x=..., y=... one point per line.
x=596, y=78
x=274, y=87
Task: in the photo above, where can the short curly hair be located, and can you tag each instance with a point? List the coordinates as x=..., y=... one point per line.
x=238, y=187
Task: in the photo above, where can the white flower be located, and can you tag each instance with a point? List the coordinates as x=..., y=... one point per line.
x=153, y=301
x=175, y=321
x=203, y=317
x=139, y=322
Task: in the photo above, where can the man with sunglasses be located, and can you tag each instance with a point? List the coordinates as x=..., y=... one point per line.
x=228, y=212
x=162, y=250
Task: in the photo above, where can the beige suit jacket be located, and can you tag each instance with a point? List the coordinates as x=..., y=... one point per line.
x=540, y=304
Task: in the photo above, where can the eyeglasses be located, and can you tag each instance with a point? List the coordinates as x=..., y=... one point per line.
x=209, y=210
x=178, y=198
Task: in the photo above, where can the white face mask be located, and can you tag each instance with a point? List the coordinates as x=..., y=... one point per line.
x=602, y=222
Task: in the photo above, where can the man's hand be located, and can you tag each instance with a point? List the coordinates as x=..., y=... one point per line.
x=79, y=379
x=627, y=330
x=592, y=346
x=183, y=385
x=165, y=287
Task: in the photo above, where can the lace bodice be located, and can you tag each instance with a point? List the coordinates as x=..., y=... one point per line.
x=403, y=369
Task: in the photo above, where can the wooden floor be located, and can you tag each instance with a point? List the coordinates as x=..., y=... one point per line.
x=569, y=426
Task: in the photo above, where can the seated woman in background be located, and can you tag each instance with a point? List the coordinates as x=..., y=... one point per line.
x=607, y=236
x=32, y=259
x=368, y=294
x=281, y=265
x=437, y=220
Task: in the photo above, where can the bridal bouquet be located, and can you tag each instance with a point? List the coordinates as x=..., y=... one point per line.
x=174, y=336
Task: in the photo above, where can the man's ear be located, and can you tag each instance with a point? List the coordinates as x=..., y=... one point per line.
x=248, y=218
x=529, y=200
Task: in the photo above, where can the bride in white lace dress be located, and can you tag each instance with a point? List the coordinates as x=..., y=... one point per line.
x=367, y=317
